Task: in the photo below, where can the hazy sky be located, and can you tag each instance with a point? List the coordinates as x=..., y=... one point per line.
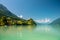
x=36, y=9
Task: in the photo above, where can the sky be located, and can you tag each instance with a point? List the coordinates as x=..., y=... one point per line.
x=36, y=9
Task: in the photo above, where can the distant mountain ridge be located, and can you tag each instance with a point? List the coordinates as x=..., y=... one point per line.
x=56, y=22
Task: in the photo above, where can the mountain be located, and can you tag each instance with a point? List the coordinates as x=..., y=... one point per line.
x=5, y=12
x=56, y=22
x=8, y=18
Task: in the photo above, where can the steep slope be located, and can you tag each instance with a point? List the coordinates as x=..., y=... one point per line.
x=5, y=12
x=8, y=18
x=57, y=21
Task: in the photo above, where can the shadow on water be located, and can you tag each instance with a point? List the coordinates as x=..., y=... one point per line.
x=57, y=27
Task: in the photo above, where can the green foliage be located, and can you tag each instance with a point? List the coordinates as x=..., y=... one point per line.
x=8, y=18
x=9, y=21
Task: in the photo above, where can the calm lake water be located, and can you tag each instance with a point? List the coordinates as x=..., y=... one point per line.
x=39, y=32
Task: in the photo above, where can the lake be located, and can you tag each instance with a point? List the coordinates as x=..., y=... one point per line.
x=39, y=32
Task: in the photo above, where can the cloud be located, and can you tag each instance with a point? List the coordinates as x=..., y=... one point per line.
x=46, y=20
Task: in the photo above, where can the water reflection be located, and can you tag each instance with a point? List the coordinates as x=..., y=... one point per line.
x=44, y=28
x=39, y=32
x=18, y=28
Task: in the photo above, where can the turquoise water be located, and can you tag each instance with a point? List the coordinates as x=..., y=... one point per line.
x=39, y=32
